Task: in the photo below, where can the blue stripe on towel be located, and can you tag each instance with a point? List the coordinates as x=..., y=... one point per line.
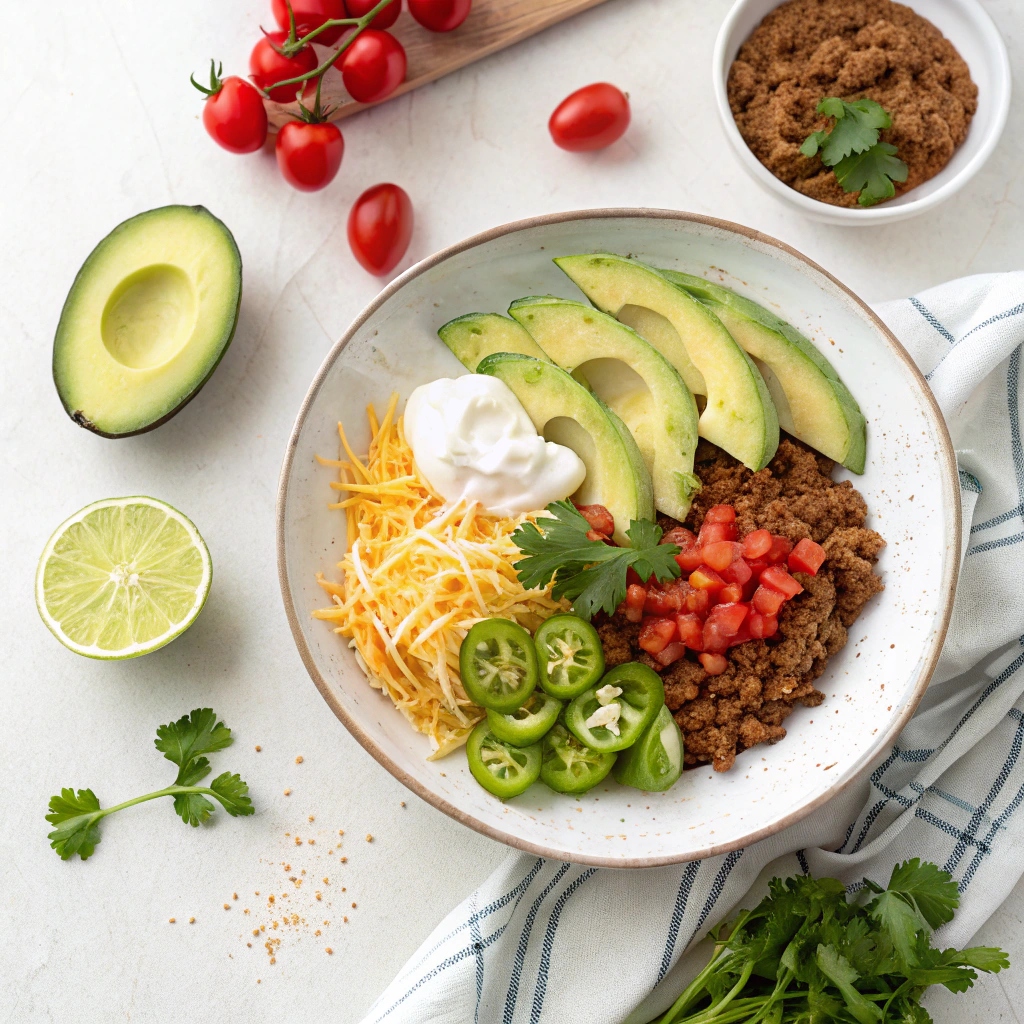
x=682, y=898
x=931, y=318
x=716, y=889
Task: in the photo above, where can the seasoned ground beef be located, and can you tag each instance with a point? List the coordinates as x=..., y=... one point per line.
x=796, y=497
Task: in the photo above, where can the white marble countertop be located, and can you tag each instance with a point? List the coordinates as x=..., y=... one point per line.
x=101, y=123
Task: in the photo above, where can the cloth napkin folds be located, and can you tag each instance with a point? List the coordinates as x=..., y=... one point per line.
x=545, y=941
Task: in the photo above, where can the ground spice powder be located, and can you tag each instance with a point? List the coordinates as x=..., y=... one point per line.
x=806, y=50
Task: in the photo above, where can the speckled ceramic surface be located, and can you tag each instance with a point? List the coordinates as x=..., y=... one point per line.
x=871, y=686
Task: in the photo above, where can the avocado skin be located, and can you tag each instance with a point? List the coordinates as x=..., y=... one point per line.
x=77, y=415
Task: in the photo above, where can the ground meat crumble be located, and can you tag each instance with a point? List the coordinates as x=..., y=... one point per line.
x=796, y=497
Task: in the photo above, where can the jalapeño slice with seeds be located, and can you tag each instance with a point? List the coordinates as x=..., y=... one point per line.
x=570, y=658
x=527, y=724
x=613, y=716
x=501, y=768
x=498, y=665
x=570, y=767
x=655, y=762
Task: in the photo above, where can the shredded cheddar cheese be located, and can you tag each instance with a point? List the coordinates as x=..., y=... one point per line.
x=418, y=573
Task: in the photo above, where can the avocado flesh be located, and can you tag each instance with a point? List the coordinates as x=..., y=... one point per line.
x=739, y=415
x=633, y=379
x=476, y=335
x=813, y=403
x=147, y=320
x=565, y=412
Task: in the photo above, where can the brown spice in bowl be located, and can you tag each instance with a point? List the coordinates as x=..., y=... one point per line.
x=806, y=50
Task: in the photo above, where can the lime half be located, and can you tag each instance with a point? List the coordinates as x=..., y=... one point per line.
x=122, y=577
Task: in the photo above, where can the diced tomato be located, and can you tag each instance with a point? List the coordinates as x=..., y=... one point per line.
x=657, y=634
x=691, y=631
x=762, y=626
x=636, y=597
x=730, y=593
x=710, y=533
x=690, y=559
x=714, y=664
x=671, y=654
x=597, y=535
x=599, y=517
x=757, y=544
x=632, y=577
x=720, y=514
x=768, y=601
x=777, y=578
x=721, y=554
x=683, y=538
x=757, y=566
x=737, y=572
x=662, y=602
x=697, y=602
x=806, y=557
x=723, y=624
x=779, y=551
x=704, y=578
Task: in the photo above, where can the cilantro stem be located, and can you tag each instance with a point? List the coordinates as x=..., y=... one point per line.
x=174, y=790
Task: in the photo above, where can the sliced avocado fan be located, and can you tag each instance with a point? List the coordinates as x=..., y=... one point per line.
x=739, y=415
x=565, y=412
x=633, y=379
x=812, y=402
x=475, y=335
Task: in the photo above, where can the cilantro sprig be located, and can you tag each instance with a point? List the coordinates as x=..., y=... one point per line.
x=589, y=573
x=852, y=149
x=184, y=743
x=806, y=953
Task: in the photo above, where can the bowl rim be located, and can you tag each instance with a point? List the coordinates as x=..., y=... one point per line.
x=947, y=460
x=1001, y=95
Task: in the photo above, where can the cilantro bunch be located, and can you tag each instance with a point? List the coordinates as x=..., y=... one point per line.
x=185, y=743
x=590, y=573
x=852, y=149
x=806, y=954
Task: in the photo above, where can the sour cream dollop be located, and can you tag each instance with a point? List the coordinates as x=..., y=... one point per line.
x=472, y=439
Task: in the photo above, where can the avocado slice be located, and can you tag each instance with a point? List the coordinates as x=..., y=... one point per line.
x=148, y=318
x=812, y=402
x=633, y=379
x=565, y=412
x=739, y=415
x=475, y=335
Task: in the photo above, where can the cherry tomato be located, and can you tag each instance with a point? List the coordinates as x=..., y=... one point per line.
x=309, y=155
x=380, y=228
x=235, y=117
x=373, y=66
x=312, y=14
x=267, y=65
x=386, y=18
x=440, y=15
x=591, y=118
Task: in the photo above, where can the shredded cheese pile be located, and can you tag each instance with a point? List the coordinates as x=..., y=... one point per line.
x=417, y=575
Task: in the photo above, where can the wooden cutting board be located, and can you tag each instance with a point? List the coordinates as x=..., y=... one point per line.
x=491, y=26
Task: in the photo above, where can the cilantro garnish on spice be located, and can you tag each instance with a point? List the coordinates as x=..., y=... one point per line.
x=590, y=573
x=184, y=743
x=808, y=953
x=852, y=149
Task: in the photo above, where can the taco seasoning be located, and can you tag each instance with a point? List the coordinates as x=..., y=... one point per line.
x=806, y=50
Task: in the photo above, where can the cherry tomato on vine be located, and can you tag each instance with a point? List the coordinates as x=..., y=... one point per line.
x=309, y=155
x=591, y=118
x=380, y=228
x=386, y=18
x=440, y=15
x=373, y=66
x=312, y=14
x=267, y=65
x=233, y=113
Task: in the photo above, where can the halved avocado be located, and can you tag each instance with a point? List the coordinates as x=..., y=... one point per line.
x=567, y=413
x=812, y=402
x=739, y=415
x=632, y=379
x=147, y=320
x=475, y=335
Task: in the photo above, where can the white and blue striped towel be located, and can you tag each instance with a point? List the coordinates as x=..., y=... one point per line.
x=545, y=941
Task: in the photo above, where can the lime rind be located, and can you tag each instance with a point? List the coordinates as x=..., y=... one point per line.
x=85, y=592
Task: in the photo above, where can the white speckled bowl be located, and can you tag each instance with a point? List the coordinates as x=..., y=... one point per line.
x=871, y=687
x=967, y=25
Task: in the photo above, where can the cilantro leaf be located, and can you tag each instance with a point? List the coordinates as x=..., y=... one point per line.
x=837, y=969
x=190, y=736
x=872, y=173
x=589, y=573
x=77, y=819
x=932, y=890
x=856, y=129
x=193, y=808
x=233, y=794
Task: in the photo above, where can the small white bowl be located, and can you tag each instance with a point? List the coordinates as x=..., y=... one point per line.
x=969, y=28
